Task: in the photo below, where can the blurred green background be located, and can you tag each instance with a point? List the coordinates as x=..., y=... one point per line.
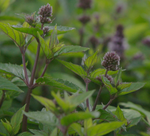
x=105, y=16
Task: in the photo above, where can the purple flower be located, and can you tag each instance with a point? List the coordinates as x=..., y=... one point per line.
x=111, y=61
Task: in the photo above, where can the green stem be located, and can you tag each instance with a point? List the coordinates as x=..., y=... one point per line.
x=2, y=98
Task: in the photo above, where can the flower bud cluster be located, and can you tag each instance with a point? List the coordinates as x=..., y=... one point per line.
x=84, y=19
x=94, y=41
x=146, y=41
x=85, y=4
x=117, y=42
x=30, y=19
x=111, y=61
x=45, y=12
x=110, y=78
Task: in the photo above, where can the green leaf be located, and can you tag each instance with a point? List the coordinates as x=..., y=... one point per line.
x=120, y=115
x=108, y=85
x=87, y=124
x=17, y=119
x=11, y=18
x=16, y=36
x=13, y=69
x=53, y=38
x=118, y=76
x=77, y=99
x=4, y=4
x=123, y=86
x=45, y=47
x=137, y=108
x=44, y=117
x=103, y=128
x=32, y=31
x=73, y=117
x=61, y=84
x=7, y=85
x=69, y=49
x=46, y=102
x=75, y=68
x=3, y=131
x=7, y=126
x=99, y=72
x=61, y=29
x=38, y=132
x=54, y=132
x=90, y=61
x=132, y=88
x=77, y=128
x=132, y=116
x=25, y=134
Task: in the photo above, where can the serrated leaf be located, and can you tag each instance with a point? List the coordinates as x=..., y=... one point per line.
x=7, y=85
x=137, y=108
x=46, y=102
x=44, y=117
x=104, y=128
x=32, y=31
x=16, y=36
x=45, y=47
x=132, y=88
x=7, y=126
x=123, y=86
x=108, y=85
x=99, y=72
x=77, y=128
x=69, y=49
x=59, y=83
x=118, y=76
x=77, y=99
x=75, y=68
x=25, y=134
x=119, y=114
x=71, y=118
x=13, y=69
x=61, y=29
x=17, y=119
x=90, y=61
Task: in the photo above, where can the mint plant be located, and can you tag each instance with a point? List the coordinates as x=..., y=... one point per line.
x=71, y=110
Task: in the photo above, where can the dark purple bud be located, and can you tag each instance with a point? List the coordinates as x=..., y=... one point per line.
x=138, y=56
x=45, y=20
x=117, y=42
x=84, y=19
x=46, y=11
x=31, y=20
x=45, y=29
x=85, y=4
x=119, y=9
x=107, y=76
x=94, y=41
x=111, y=61
x=146, y=41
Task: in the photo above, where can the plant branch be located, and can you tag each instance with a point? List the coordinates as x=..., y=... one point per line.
x=110, y=101
x=98, y=95
x=25, y=69
x=2, y=99
x=87, y=100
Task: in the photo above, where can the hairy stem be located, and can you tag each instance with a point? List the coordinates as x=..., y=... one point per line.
x=99, y=93
x=25, y=69
x=87, y=100
x=24, y=125
x=110, y=101
x=2, y=99
x=97, y=98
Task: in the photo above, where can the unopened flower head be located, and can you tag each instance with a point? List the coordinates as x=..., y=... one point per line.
x=111, y=61
x=45, y=20
x=107, y=76
x=94, y=41
x=45, y=29
x=30, y=20
x=85, y=4
x=84, y=19
x=46, y=11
